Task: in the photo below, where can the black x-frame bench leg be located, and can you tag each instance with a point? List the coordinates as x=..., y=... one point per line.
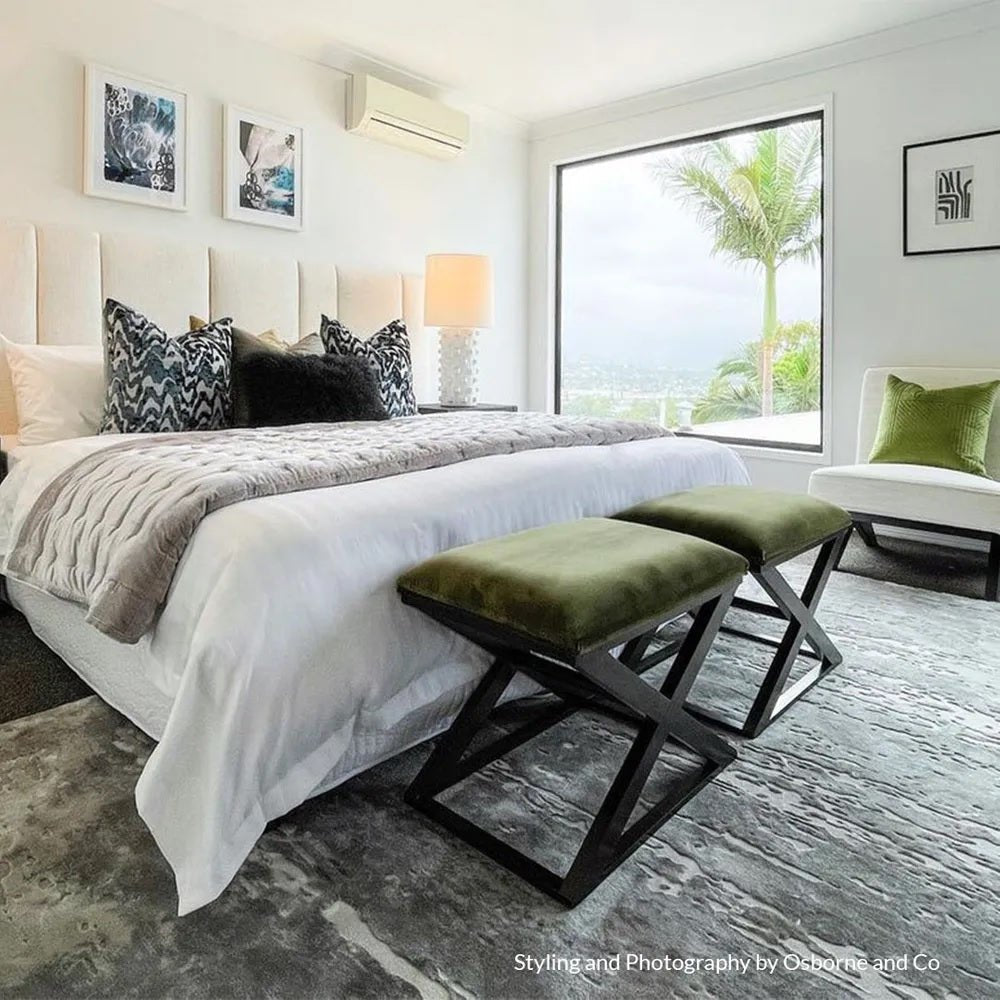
x=594, y=681
x=775, y=695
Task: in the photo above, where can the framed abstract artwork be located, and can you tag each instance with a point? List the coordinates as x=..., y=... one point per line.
x=262, y=181
x=951, y=195
x=135, y=140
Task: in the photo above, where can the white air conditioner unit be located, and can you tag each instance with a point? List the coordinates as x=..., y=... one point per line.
x=384, y=111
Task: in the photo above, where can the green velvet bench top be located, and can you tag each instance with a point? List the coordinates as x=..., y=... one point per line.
x=764, y=526
x=578, y=584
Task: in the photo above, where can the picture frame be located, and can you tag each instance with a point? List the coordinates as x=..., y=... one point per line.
x=263, y=169
x=951, y=195
x=135, y=140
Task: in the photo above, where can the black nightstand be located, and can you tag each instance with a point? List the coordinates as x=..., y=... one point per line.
x=452, y=408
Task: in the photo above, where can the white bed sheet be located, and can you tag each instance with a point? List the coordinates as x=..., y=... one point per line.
x=284, y=654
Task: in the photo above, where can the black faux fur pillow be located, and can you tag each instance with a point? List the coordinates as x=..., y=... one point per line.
x=303, y=389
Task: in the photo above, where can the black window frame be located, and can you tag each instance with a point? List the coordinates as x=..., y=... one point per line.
x=817, y=115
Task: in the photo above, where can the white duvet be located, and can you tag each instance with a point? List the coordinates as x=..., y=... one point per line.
x=287, y=659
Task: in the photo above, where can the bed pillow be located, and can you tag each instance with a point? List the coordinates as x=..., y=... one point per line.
x=388, y=352
x=157, y=383
x=249, y=345
x=310, y=344
x=946, y=428
x=58, y=391
x=8, y=407
x=283, y=388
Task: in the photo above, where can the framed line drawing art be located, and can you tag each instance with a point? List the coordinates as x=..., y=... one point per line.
x=262, y=179
x=135, y=140
x=951, y=195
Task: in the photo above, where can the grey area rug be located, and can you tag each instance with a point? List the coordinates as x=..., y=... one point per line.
x=864, y=825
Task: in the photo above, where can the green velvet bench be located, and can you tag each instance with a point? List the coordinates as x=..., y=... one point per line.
x=553, y=604
x=767, y=528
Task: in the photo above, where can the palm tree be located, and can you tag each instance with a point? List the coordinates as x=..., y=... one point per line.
x=763, y=209
x=798, y=368
x=736, y=389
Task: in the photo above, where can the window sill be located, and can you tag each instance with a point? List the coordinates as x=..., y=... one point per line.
x=769, y=451
x=757, y=452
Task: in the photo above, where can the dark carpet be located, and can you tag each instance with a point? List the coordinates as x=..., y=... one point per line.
x=916, y=564
x=32, y=678
x=858, y=833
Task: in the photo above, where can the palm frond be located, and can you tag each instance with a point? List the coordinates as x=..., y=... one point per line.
x=736, y=233
x=762, y=208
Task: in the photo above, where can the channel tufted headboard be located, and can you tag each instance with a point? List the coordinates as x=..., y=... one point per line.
x=54, y=280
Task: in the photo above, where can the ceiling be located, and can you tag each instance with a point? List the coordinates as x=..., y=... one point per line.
x=535, y=59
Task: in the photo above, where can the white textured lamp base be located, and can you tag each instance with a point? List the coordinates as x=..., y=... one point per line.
x=458, y=367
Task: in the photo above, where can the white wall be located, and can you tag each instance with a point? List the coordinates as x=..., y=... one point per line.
x=367, y=204
x=885, y=309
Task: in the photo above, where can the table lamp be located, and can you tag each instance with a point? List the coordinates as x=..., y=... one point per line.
x=458, y=298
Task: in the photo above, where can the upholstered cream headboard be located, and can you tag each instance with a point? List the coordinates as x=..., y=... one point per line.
x=54, y=280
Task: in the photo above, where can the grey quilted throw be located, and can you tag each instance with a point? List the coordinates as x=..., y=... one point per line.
x=109, y=531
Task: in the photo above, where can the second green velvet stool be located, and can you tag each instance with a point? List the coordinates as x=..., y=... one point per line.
x=767, y=528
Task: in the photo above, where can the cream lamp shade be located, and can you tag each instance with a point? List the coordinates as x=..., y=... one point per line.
x=458, y=290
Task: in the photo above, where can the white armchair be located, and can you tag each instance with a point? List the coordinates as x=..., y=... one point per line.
x=918, y=496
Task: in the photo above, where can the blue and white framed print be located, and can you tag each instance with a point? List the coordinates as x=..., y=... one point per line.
x=951, y=195
x=262, y=181
x=135, y=140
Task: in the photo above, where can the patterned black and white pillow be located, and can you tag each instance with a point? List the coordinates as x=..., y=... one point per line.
x=158, y=383
x=388, y=351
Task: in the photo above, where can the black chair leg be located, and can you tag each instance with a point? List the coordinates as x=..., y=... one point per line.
x=867, y=532
x=993, y=570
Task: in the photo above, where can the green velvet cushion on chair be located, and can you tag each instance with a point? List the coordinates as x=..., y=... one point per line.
x=946, y=428
x=762, y=525
x=576, y=584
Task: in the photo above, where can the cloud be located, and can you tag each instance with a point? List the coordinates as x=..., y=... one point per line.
x=640, y=283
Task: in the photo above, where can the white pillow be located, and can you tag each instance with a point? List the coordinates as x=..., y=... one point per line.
x=58, y=391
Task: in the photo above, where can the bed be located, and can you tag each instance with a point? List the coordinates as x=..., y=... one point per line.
x=283, y=661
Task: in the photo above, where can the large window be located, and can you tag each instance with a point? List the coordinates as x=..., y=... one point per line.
x=690, y=285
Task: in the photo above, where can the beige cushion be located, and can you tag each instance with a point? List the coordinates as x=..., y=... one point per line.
x=307, y=345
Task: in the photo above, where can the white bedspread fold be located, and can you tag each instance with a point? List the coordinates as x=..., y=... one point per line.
x=109, y=530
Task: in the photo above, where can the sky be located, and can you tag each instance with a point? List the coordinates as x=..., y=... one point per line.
x=639, y=283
